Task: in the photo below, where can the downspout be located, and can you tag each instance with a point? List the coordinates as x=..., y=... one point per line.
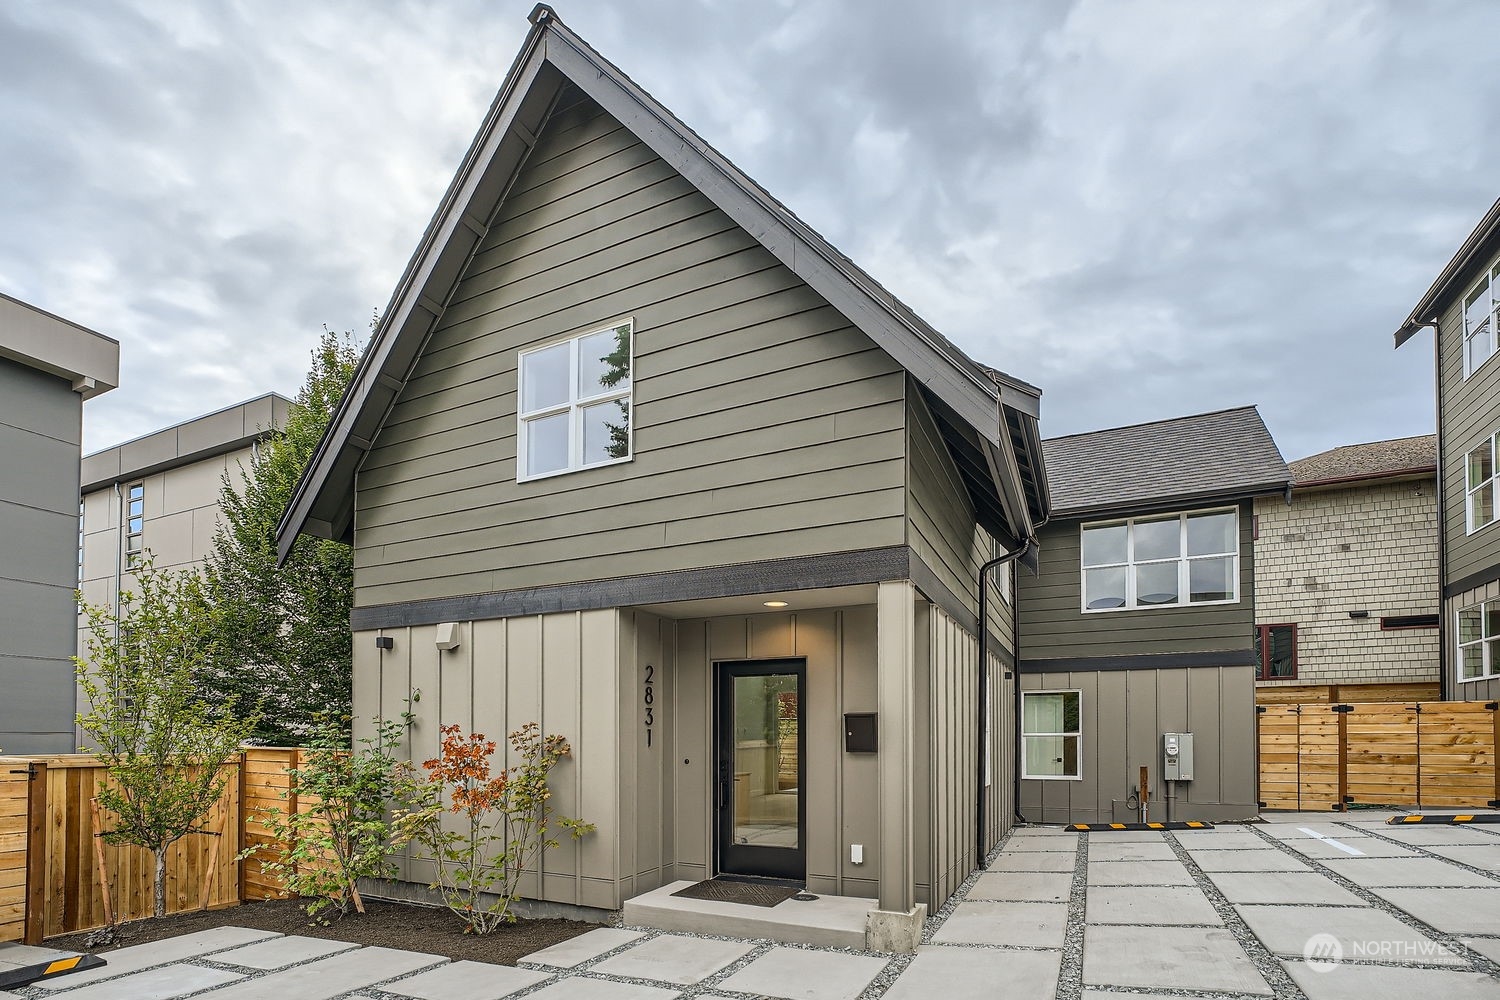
x=984, y=688
x=1444, y=685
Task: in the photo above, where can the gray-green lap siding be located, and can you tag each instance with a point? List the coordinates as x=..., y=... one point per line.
x=1469, y=412
x=765, y=425
x=40, y=434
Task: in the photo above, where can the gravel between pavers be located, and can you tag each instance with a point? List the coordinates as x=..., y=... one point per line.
x=1070, y=972
x=1453, y=942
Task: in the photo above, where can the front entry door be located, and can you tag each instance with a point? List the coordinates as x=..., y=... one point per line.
x=759, y=802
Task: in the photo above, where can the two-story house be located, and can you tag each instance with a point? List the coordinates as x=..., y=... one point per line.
x=48, y=368
x=1346, y=576
x=1462, y=307
x=1140, y=621
x=637, y=455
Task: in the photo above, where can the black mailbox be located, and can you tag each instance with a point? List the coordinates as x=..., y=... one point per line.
x=861, y=732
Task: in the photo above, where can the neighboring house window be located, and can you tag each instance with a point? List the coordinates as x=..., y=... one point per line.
x=1050, y=734
x=1162, y=561
x=1479, y=641
x=1479, y=484
x=574, y=408
x=135, y=521
x=1480, y=308
x=1276, y=651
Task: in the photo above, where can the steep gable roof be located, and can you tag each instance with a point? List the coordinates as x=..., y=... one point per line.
x=1374, y=460
x=989, y=419
x=1228, y=453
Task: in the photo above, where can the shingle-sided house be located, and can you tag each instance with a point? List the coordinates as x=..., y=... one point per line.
x=1141, y=621
x=1346, y=576
x=636, y=454
x=1462, y=306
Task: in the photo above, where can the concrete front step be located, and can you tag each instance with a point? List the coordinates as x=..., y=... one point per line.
x=828, y=921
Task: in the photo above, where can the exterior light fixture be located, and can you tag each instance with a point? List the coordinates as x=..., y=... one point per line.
x=1359, y=614
x=776, y=604
x=384, y=642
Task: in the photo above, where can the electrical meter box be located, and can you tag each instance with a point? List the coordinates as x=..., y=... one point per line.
x=1177, y=756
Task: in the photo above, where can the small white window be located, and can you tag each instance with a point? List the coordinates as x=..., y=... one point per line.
x=1161, y=561
x=1480, y=475
x=1050, y=735
x=1479, y=641
x=1481, y=314
x=574, y=410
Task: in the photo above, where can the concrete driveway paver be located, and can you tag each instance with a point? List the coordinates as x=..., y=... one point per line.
x=1032, y=925
x=1282, y=887
x=1453, y=911
x=1267, y=859
x=1033, y=861
x=975, y=974
x=583, y=988
x=163, y=983
x=1428, y=835
x=331, y=977
x=1405, y=872
x=1138, y=873
x=1169, y=958
x=1161, y=904
x=1371, y=982
x=1219, y=840
x=1486, y=857
x=1023, y=887
x=467, y=981
x=146, y=956
x=1124, y=837
x=1364, y=933
x=794, y=974
x=584, y=948
x=1488, y=947
x=671, y=958
x=1107, y=851
x=1335, y=847
x=278, y=953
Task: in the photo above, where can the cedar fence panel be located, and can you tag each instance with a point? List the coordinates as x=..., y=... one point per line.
x=1422, y=754
x=15, y=793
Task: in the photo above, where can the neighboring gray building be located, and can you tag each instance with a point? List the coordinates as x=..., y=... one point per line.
x=637, y=455
x=48, y=367
x=1141, y=619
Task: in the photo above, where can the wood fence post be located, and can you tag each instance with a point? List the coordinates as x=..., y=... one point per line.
x=1494, y=708
x=1343, y=714
x=239, y=835
x=36, y=854
x=291, y=801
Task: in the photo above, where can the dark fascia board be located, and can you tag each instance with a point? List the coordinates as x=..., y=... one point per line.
x=550, y=54
x=1388, y=475
x=1170, y=503
x=1480, y=241
x=1139, y=661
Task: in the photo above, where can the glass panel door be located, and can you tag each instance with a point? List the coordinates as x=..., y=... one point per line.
x=759, y=803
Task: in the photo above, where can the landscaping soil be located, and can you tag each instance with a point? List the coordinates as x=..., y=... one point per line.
x=389, y=925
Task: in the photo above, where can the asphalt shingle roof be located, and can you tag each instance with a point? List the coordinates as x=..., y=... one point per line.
x=1368, y=461
x=1222, y=454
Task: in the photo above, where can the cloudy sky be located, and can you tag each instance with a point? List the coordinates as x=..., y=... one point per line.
x=1146, y=208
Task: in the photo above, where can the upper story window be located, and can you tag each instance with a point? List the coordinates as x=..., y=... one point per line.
x=1479, y=484
x=1161, y=561
x=1479, y=641
x=1276, y=649
x=135, y=522
x=574, y=410
x=1481, y=306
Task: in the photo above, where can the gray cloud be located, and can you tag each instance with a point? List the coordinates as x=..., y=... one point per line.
x=1147, y=208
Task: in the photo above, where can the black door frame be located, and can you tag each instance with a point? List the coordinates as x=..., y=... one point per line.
x=743, y=859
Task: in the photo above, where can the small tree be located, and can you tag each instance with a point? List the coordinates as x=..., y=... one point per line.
x=161, y=743
x=504, y=826
x=338, y=833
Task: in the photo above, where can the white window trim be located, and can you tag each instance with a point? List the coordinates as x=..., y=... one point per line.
x=133, y=554
x=1488, y=281
x=1182, y=560
x=1021, y=724
x=1494, y=483
x=573, y=406
x=1491, y=668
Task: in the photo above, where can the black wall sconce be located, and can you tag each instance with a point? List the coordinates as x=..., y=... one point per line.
x=384, y=642
x=1359, y=614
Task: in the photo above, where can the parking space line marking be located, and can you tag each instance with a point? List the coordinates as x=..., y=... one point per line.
x=1329, y=840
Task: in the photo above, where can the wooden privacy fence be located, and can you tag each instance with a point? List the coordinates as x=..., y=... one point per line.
x=49, y=858
x=1423, y=754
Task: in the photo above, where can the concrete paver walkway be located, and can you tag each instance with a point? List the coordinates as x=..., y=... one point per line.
x=1299, y=908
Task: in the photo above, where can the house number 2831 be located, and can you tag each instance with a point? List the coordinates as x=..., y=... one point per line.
x=648, y=699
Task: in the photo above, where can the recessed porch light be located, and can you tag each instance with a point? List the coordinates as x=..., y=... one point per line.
x=776, y=604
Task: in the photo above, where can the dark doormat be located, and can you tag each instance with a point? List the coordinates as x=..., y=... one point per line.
x=730, y=890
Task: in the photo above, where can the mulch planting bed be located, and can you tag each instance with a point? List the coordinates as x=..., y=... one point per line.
x=389, y=925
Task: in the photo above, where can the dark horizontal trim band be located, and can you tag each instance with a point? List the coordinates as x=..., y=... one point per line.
x=834, y=569
x=1473, y=580
x=1140, y=661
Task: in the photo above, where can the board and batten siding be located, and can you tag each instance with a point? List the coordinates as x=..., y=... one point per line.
x=765, y=425
x=1123, y=714
x=1469, y=412
x=1054, y=625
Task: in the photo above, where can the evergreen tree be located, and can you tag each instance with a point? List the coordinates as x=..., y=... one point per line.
x=281, y=634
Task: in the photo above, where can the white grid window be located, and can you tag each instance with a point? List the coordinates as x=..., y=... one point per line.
x=1051, y=733
x=1481, y=315
x=1480, y=475
x=1479, y=641
x=1161, y=561
x=135, y=522
x=574, y=404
